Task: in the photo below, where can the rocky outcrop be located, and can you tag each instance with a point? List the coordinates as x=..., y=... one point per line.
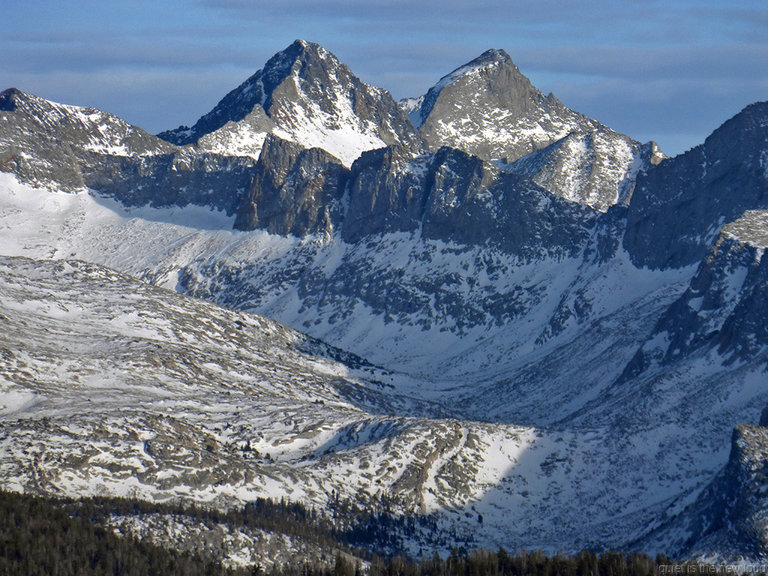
x=597, y=167
x=738, y=504
x=471, y=202
x=386, y=193
x=295, y=191
x=731, y=513
x=721, y=310
x=449, y=196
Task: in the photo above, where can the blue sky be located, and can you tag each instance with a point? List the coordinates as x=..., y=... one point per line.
x=671, y=70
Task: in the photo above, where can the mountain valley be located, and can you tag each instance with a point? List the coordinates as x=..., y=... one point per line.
x=478, y=308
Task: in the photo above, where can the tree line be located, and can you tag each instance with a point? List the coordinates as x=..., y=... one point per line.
x=45, y=535
x=39, y=538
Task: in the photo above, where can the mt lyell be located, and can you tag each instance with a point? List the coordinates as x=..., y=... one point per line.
x=482, y=304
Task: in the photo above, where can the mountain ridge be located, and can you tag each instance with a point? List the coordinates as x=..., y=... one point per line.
x=524, y=338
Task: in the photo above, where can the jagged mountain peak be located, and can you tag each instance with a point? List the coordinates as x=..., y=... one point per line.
x=489, y=108
x=747, y=130
x=301, y=58
x=492, y=71
x=16, y=96
x=757, y=112
x=306, y=95
x=494, y=55
x=251, y=100
x=486, y=60
x=9, y=98
x=300, y=50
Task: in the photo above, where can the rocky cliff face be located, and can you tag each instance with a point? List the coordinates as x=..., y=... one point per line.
x=454, y=197
x=295, y=191
x=718, y=310
x=448, y=196
x=738, y=503
x=387, y=192
x=305, y=95
x=731, y=513
x=470, y=202
x=679, y=206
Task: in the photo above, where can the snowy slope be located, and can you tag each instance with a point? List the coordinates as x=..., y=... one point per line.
x=561, y=435
x=74, y=149
x=111, y=386
x=176, y=398
x=94, y=130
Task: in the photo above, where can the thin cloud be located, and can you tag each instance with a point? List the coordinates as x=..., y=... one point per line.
x=656, y=62
x=627, y=63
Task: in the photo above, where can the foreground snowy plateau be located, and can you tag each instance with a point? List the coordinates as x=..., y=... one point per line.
x=540, y=332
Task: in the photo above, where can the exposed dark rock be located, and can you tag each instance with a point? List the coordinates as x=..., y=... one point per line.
x=295, y=191
x=455, y=197
x=234, y=107
x=471, y=202
x=723, y=309
x=386, y=193
x=679, y=206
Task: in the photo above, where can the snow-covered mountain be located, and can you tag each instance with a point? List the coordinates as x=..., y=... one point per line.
x=110, y=386
x=567, y=362
x=488, y=108
x=305, y=95
x=72, y=148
